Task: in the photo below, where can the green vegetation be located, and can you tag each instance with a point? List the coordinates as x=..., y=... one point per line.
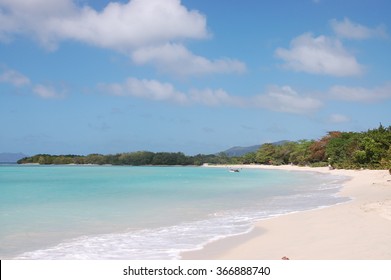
x=349, y=150
x=135, y=159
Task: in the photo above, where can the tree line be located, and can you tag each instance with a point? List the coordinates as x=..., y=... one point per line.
x=349, y=150
x=135, y=158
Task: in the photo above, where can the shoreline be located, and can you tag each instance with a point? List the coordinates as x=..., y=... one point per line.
x=357, y=229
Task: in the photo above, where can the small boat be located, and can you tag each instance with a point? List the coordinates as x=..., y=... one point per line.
x=233, y=170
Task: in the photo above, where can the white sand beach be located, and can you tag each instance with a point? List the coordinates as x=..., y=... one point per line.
x=356, y=230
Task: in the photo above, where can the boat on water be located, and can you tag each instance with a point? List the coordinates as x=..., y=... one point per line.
x=233, y=170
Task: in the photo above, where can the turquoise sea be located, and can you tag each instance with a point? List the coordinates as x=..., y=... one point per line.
x=122, y=212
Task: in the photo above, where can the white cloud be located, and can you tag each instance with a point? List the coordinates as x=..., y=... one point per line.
x=158, y=91
x=280, y=99
x=338, y=118
x=15, y=78
x=48, y=92
x=148, y=89
x=285, y=99
x=361, y=94
x=217, y=97
x=350, y=30
x=18, y=80
x=319, y=55
x=118, y=26
x=137, y=23
x=149, y=31
x=175, y=58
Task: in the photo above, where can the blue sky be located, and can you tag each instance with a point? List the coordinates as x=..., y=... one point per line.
x=197, y=76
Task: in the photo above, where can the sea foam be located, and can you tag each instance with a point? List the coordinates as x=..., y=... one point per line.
x=78, y=212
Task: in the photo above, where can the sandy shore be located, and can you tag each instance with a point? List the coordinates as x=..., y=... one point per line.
x=359, y=229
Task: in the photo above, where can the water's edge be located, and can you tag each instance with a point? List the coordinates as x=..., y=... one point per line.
x=168, y=242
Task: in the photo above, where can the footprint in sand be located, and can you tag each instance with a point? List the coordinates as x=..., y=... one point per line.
x=383, y=208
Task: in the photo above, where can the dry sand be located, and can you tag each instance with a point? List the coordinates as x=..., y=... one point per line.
x=359, y=229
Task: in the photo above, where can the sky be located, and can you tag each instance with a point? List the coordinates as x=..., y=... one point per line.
x=195, y=76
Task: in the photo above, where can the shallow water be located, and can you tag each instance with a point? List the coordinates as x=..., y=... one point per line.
x=121, y=212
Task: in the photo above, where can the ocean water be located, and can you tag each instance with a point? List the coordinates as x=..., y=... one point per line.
x=122, y=212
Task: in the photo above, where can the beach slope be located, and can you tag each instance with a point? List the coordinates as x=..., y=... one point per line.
x=359, y=229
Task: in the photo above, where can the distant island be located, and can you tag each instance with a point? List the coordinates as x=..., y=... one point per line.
x=349, y=150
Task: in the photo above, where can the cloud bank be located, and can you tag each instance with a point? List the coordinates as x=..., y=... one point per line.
x=361, y=94
x=351, y=30
x=48, y=92
x=287, y=100
x=149, y=31
x=147, y=89
x=175, y=58
x=319, y=55
x=279, y=99
x=118, y=26
x=15, y=78
x=10, y=76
